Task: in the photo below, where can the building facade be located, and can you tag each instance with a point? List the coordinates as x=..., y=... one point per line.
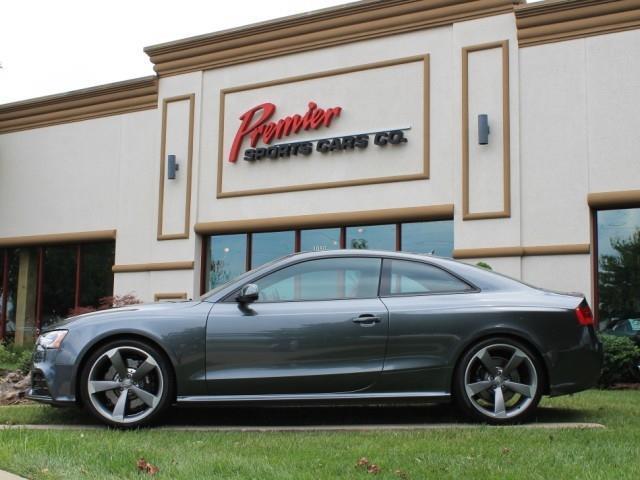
x=486, y=130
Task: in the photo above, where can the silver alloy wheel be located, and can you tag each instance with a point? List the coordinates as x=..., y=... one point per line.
x=125, y=384
x=501, y=381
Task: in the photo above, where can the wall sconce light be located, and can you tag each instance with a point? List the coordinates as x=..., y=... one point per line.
x=172, y=167
x=483, y=129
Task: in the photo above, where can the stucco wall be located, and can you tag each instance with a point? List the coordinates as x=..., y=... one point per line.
x=572, y=114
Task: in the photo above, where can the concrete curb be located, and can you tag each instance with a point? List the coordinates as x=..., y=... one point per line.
x=9, y=476
x=318, y=428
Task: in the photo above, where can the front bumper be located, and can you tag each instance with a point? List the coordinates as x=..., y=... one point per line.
x=578, y=368
x=51, y=378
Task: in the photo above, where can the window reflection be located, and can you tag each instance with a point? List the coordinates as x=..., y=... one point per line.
x=435, y=238
x=96, y=277
x=51, y=291
x=58, y=284
x=619, y=265
x=419, y=278
x=227, y=258
x=325, y=279
x=319, y=240
x=270, y=245
x=373, y=237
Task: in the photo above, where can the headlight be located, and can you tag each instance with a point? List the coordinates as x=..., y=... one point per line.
x=52, y=339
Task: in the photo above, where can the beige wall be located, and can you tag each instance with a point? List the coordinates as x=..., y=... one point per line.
x=573, y=121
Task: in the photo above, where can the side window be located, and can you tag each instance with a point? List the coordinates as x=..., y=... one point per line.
x=407, y=278
x=323, y=279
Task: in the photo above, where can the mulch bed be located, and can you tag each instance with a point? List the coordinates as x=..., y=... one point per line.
x=13, y=387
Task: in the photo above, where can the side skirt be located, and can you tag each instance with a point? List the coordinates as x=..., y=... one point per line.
x=293, y=397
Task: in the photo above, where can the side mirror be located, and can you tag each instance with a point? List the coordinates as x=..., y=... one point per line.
x=248, y=294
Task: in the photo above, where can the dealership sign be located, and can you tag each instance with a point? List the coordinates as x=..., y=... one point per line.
x=257, y=126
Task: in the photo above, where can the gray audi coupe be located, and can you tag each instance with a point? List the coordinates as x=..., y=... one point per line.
x=331, y=327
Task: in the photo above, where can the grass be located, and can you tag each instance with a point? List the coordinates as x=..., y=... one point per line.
x=478, y=452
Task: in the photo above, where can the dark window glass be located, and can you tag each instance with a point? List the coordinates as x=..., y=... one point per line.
x=271, y=245
x=319, y=240
x=619, y=266
x=324, y=279
x=373, y=237
x=227, y=258
x=428, y=237
x=96, y=277
x=58, y=283
x=408, y=278
x=1, y=293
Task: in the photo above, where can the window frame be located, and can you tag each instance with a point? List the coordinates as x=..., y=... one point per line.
x=41, y=272
x=205, y=258
x=595, y=253
x=385, y=280
x=232, y=296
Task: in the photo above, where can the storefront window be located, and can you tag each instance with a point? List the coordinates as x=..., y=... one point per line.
x=58, y=283
x=96, y=277
x=619, y=267
x=270, y=245
x=372, y=237
x=40, y=285
x=2, y=287
x=435, y=238
x=320, y=239
x=227, y=258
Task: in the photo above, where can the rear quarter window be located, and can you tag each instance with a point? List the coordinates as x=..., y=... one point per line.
x=405, y=277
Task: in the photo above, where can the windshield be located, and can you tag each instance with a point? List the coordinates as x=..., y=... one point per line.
x=248, y=273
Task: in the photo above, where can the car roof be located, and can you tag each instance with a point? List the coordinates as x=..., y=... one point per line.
x=479, y=277
x=350, y=252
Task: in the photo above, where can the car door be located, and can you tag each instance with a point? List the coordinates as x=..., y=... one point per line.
x=318, y=326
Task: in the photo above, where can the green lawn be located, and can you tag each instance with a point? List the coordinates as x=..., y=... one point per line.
x=478, y=452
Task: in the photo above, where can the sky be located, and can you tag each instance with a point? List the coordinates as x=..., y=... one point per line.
x=53, y=46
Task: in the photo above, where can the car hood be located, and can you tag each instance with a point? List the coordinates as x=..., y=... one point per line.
x=130, y=311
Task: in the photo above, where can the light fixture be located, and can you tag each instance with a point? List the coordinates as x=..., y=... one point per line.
x=483, y=129
x=226, y=249
x=172, y=167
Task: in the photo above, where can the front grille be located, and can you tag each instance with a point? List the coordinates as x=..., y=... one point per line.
x=39, y=384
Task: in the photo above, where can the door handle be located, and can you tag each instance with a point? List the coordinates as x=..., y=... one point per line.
x=366, y=320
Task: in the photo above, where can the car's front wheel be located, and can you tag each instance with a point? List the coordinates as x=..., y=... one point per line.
x=126, y=383
x=499, y=381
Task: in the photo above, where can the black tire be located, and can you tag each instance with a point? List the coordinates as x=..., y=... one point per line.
x=145, y=399
x=482, y=370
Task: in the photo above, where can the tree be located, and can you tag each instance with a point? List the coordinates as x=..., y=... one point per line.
x=619, y=278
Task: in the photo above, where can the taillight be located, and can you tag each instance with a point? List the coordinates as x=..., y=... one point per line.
x=584, y=314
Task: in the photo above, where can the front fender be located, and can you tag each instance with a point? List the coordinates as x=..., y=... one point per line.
x=180, y=335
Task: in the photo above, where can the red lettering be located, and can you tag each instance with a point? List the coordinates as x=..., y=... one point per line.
x=246, y=127
x=306, y=120
x=317, y=118
x=329, y=114
x=262, y=129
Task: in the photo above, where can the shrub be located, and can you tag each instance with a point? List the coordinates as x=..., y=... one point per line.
x=621, y=359
x=106, y=303
x=15, y=358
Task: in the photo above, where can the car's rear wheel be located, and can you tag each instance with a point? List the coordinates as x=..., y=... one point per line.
x=126, y=383
x=499, y=381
